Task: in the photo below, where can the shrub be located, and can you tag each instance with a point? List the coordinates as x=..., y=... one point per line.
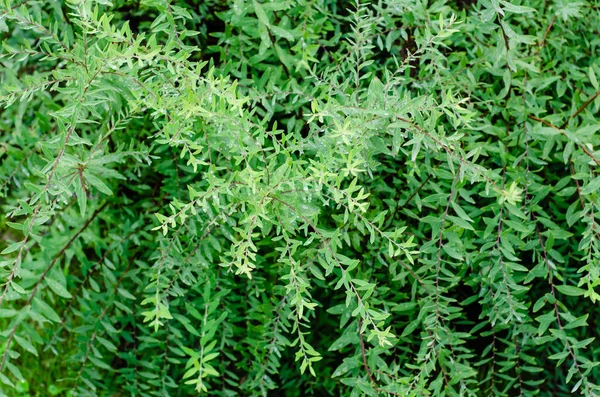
x=299, y=198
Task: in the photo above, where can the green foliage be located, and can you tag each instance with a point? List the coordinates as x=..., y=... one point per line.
x=299, y=197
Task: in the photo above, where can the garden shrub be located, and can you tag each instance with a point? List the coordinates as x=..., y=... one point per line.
x=299, y=197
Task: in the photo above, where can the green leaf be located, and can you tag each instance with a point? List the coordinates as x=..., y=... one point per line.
x=460, y=222
x=107, y=344
x=592, y=187
x=570, y=290
x=210, y=370
x=515, y=8
x=46, y=310
x=260, y=12
x=25, y=344
x=6, y=313
x=559, y=356
x=539, y=304
x=210, y=356
x=126, y=294
x=579, y=322
x=545, y=321
x=81, y=198
x=4, y=379
x=593, y=79
x=12, y=248
x=97, y=183
x=282, y=32
x=411, y=327
x=58, y=288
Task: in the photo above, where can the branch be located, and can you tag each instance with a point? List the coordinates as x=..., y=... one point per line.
x=364, y=357
x=43, y=277
x=581, y=109
x=582, y=147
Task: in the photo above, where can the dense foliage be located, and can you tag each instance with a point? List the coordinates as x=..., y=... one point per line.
x=299, y=197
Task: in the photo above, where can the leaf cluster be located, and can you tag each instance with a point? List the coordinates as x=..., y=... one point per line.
x=299, y=197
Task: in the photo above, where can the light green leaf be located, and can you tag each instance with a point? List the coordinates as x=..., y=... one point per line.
x=97, y=183
x=12, y=248
x=25, y=344
x=282, y=32
x=260, y=12
x=58, y=288
x=592, y=187
x=570, y=290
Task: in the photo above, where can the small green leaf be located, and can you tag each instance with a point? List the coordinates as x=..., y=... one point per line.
x=58, y=288
x=559, y=356
x=593, y=79
x=46, y=310
x=539, y=304
x=592, y=187
x=260, y=12
x=570, y=290
x=25, y=344
x=579, y=322
x=515, y=8
x=460, y=222
x=282, y=32
x=12, y=248
x=545, y=321
x=6, y=313
x=81, y=197
x=97, y=183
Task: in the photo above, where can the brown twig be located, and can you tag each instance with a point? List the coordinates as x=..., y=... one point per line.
x=364, y=357
x=543, y=42
x=581, y=109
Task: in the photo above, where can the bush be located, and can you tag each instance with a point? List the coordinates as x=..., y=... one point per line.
x=299, y=198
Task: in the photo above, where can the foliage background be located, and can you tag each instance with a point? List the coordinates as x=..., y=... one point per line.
x=299, y=197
